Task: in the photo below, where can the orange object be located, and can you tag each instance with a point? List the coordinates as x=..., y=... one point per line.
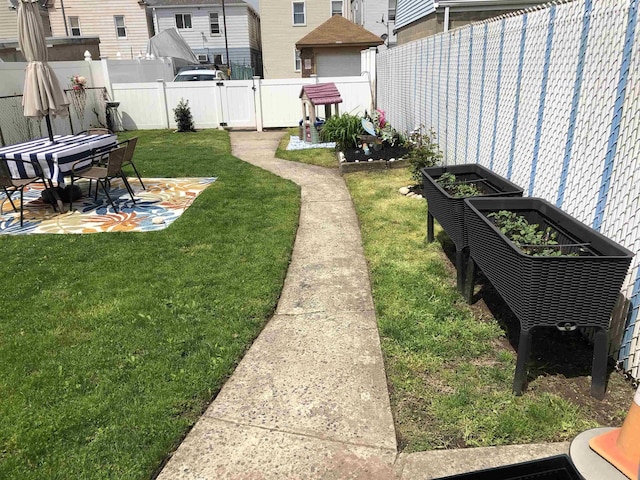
x=621, y=447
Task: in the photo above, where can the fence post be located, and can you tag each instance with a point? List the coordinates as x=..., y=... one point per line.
x=105, y=76
x=257, y=101
x=162, y=97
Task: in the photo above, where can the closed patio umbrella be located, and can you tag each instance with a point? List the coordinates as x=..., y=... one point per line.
x=42, y=94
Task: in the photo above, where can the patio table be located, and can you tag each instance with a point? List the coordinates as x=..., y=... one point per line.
x=57, y=158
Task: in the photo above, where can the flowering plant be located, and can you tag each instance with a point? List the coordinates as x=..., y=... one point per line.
x=379, y=119
x=78, y=82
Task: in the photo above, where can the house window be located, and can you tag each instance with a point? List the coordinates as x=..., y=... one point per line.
x=183, y=20
x=392, y=11
x=214, y=24
x=121, y=29
x=336, y=7
x=299, y=13
x=74, y=25
x=298, y=61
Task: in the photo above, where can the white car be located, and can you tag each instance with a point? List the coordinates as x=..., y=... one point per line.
x=200, y=76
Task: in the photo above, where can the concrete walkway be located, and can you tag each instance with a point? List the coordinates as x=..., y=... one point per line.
x=309, y=400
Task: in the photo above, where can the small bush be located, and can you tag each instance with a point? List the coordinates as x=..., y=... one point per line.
x=342, y=129
x=423, y=151
x=182, y=115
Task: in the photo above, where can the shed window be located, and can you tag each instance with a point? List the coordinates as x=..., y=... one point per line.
x=298, y=61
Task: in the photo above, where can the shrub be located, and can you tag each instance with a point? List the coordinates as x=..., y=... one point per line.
x=423, y=151
x=182, y=115
x=342, y=129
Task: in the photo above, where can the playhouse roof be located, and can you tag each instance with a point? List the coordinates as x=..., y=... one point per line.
x=321, y=93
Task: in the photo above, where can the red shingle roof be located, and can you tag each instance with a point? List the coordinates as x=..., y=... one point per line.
x=322, y=93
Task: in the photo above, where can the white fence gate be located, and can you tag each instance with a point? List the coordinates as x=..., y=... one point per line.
x=251, y=104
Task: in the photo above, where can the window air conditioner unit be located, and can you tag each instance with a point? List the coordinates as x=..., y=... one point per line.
x=203, y=58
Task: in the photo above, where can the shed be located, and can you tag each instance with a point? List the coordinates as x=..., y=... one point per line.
x=326, y=94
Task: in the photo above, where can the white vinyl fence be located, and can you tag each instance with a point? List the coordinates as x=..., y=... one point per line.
x=251, y=104
x=549, y=98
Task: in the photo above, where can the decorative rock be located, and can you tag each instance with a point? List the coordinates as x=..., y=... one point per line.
x=404, y=190
x=370, y=160
x=392, y=159
x=157, y=220
x=357, y=161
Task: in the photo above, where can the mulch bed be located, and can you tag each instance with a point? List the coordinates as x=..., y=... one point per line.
x=387, y=152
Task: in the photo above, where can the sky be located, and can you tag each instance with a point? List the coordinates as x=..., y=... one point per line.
x=254, y=4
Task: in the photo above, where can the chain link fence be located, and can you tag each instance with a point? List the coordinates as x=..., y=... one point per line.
x=548, y=98
x=87, y=108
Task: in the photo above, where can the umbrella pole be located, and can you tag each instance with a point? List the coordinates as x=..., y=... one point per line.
x=49, y=127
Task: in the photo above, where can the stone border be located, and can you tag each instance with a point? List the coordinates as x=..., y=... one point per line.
x=348, y=167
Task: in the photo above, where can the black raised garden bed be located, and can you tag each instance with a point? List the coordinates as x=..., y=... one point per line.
x=559, y=467
x=566, y=292
x=449, y=210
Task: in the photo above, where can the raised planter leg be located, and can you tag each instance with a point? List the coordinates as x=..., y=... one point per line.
x=469, y=281
x=461, y=254
x=430, y=236
x=524, y=349
x=599, y=367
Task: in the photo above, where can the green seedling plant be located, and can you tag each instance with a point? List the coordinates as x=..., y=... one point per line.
x=423, y=151
x=343, y=129
x=456, y=188
x=531, y=238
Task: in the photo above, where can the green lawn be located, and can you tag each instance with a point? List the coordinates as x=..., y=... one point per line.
x=111, y=345
x=323, y=157
x=449, y=371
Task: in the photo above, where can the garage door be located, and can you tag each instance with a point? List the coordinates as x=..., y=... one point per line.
x=338, y=65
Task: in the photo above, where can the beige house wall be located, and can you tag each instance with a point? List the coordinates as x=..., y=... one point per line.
x=97, y=19
x=279, y=35
x=432, y=24
x=8, y=22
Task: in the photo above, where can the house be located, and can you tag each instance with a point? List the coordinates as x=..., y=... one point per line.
x=284, y=22
x=377, y=16
x=124, y=26
x=202, y=25
x=333, y=48
x=9, y=20
x=58, y=49
x=422, y=18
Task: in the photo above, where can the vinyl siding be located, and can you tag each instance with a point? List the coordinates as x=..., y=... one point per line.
x=374, y=10
x=8, y=22
x=408, y=11
x=279, y=36
x=96, y=19
x=199, y=37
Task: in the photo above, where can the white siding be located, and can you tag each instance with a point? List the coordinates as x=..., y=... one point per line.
x=408, y=11
x=199, y=37
x=96, y=19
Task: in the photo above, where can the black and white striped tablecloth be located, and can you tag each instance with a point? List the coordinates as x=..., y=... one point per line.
x=57, y=158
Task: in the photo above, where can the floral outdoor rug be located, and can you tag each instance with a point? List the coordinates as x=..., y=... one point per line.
x=164, y=200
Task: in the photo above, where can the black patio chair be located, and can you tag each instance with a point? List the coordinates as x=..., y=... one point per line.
x=11, y=185
x=128, y=157
x=102, y=174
